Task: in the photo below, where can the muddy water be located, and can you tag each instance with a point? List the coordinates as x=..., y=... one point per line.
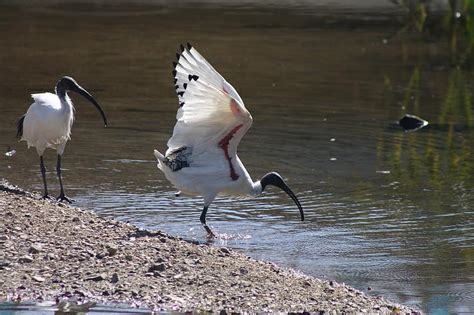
x=386, y=210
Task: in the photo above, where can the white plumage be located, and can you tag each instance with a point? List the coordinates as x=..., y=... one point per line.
x=201, y=158
x=48, y=123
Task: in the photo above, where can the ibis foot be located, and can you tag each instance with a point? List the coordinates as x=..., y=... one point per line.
x=46, y=197
x=63, y=198
x=210, y=234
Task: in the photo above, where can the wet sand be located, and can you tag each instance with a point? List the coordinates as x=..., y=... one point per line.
x=58, y=253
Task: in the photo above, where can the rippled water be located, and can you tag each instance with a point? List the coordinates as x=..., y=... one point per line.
x=385, y=210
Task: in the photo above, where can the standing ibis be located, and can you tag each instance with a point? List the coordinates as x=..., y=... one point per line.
x=48, y=122
x=201, y=159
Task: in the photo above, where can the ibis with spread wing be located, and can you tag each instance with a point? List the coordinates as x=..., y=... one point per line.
x=201, y=158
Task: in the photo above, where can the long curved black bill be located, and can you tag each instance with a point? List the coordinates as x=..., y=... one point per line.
x=276, y=180
x=78, y=89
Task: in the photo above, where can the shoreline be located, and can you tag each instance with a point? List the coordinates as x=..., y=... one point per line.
x=61, y=254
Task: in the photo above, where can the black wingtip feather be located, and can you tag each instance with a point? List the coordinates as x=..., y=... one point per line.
x=181, y=47
x=178, y=56
x=189, y=46
x=193, y=77
x=174, y=73
x=175, y=64
x=19, y=126
x=180, y=93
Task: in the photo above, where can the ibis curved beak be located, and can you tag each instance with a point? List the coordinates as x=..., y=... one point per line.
x=275, y=179
x=78, y=89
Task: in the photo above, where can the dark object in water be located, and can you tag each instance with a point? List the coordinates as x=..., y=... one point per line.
x=412, y=122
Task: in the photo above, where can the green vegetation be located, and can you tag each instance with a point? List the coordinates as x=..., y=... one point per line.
x=442, y=154
x=456, y=22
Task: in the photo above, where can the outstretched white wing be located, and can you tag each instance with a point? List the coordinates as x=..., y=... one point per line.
x=212, y=118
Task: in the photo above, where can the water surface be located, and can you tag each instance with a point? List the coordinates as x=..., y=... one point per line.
x=385, y=210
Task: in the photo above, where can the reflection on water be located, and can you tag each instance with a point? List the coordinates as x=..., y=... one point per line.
x=384, y=209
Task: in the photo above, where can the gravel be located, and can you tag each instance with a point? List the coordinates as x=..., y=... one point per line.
x=62, y=254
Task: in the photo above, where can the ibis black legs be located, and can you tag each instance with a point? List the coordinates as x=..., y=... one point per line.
x=62, y=195
x=43, y=173
x=203, y=215
x=210, y=234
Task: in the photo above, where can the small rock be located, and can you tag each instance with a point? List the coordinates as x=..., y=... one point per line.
x=114, y=278
x=157, y=267
x=159, y=260
x=79, y=293
x=50, y=256
x=101, y=255
x=38, y=278
x=4, y=264
x=97, y=278
x=25, y=259
x=225, y=250
x=4, y=237
x=34, y=249
x=112, y=249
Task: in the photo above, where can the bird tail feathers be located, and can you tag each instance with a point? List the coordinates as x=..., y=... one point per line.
x=160, y=157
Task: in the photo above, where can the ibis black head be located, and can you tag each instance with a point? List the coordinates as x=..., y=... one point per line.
x=69, y=84
x=275, y=179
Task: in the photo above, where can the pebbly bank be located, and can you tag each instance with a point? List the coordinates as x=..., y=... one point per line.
x=52, y=252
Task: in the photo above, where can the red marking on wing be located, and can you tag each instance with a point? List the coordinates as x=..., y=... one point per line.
x=234, y=107
x=224, y=145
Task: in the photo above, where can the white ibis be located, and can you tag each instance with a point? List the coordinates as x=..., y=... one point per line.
x=48, y=122
x=201, y=159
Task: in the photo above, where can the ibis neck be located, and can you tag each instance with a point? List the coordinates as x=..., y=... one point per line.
x=257, y=188
x=66, y=103
x=61, y=91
